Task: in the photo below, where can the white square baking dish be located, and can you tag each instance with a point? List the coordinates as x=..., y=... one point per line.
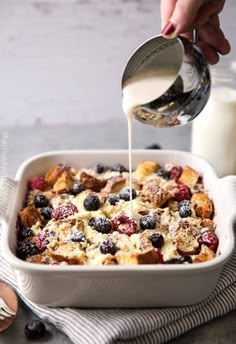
x=117, y=286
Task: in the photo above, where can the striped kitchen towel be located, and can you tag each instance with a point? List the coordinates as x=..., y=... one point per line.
x=90, y=326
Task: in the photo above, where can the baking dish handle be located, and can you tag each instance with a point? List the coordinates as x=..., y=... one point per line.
x=228, y=193
x=7, y=192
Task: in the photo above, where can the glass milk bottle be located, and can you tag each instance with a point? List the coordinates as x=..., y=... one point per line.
x=214, y=130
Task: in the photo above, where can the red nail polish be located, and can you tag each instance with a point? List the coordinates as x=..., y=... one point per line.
x=168, y=29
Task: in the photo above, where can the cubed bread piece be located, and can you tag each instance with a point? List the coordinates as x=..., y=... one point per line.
x=92, y=183
x=186, y=240
x=208, y=224
x=110, y=260
x=138, y=257
x=68, y=252
x=114, y=184
x=189, y=176
x=29, y=216
x=53, y=174
x=205, y=254
x=202, y=204
x=153, y=193
x=63, y=183
x=146, y=168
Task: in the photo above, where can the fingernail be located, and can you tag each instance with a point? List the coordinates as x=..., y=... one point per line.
x=168, y=29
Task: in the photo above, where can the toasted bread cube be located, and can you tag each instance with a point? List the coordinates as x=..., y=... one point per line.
x=68, y=252
x=146, y=168
x=63, y=183
x=187, y=241
x=138, y=257
x=53, y=174
x=153, y=193
x=114, y=184
x=29, y=216
x=189, y=176
x=205, y=254
x=92, y=183
x=203, y=205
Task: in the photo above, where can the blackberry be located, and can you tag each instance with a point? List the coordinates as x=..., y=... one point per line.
x=26, y=249
x=78, y=237
x=185, y=211
x=154, y=146
x=100, y=168
x=77, y=188
x=157, y=240
x=163, y=173
x=91, y=222
x=108, y=246
x=147, y=222
x=91, y=202
x=24, y=233
x=113, y=199
x=119, y=168
x=125, y=194
x=40, y=201
x=34, y=329
x=47, y=213
x=102, y=225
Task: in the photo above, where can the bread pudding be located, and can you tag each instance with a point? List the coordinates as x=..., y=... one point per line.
x=83, y=216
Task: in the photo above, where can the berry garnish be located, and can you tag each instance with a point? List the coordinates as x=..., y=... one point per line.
x=40, y=201
x=64, y=211
x=163, y=173
x=125, y=194
x=209, y=239
x=24, y=233
x=91, y=202
x=157, y=240
x=186, y=259
x=175, y=172
x=100, y=168
x=77, y=188
x=36, y=183
x=154, y=146
x=42, y=239
x=26, y=249
x=119, y=168
x=34, y=329
x=147, y=222
x=102, y=225
x=78, y=237
x=124, y=224
x=185, y=211
x=108, y=246
x=183, y=193
x=47, y=213
x=113, y=199
x=173, y=261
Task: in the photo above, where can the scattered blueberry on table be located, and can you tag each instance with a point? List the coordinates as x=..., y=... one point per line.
x=34, y=329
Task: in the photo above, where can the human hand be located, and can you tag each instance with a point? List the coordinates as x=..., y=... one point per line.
x=181, y=16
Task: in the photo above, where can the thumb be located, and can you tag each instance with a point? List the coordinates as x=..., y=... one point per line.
x=183, y=16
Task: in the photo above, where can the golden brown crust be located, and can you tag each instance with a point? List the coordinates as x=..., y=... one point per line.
x=146, y=168
x=205, y=254
x=29, y=216
x=114, y=184
x=110, y=260
x=153, y=193
x=189, y=176
x=203, y=205
x=147, y=257
x=64, y=183
x=91, y=182
x=68, y=252
x=53, y=174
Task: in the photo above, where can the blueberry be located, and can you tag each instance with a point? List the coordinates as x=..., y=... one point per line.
x=157, y=240
x=100, y=168
x=40, y=201
x=125, y=194
x=119, y=168
x=91, y=222
x=163, y=173
x=77, y=188
x=26, y=249
x=184, y=203
x=24, y=233
x=147, y=222
x=113, y=199
x=108, y=246
x=46, y=212
x=91, y=202
x=173, y=261
x=78, y=237
x=154, y=146
x=34, y=329
x=103, y=225
x=185, y=211
x=186, y=259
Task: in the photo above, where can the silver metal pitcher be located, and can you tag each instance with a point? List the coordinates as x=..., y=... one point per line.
x=190, y=89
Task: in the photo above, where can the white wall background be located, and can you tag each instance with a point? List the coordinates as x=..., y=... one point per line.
x=61, y=60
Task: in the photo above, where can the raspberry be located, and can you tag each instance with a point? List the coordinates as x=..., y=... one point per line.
x=124, y=224
x=175, y=172
x=36, y=183
x=42, y=239
x=64, y=211
x=209, y=239
x=183, y=193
